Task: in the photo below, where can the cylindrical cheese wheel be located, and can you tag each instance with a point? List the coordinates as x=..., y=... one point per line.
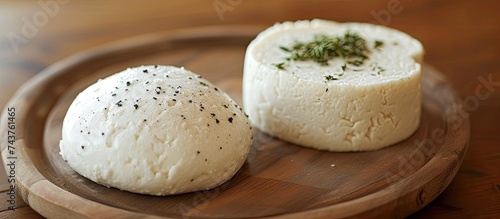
x=155, y=130
x=337, y=106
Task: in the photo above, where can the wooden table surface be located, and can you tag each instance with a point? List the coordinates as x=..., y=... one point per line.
x=460, y=38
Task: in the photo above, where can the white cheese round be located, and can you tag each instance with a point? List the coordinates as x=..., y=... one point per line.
x=155, y=130
x=366, y=107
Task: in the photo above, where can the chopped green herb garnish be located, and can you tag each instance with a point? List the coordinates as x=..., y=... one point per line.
x=284, y=49
x=323, y=48
x=330, y=78
x=355, y=62
x=344, y=67
x=378, y=44
x=280, y=65
x=380, y=69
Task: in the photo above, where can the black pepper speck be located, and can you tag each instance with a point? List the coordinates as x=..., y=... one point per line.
x=128, y=83
x=213, y=114
x=119, y=103
x=83, y=147
x=217, y=121
x=136, y=106
x=145, y=71
x=230, y=119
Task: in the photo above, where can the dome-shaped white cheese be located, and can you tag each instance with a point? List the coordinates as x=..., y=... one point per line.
x=339, y=106
x=155, y=130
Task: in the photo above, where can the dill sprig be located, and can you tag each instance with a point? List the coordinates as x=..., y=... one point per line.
x=322, y=48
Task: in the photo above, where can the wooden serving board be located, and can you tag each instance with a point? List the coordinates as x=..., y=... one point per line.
x=278, y=180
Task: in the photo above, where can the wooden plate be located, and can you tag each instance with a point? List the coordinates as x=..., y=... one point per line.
x=278, y=180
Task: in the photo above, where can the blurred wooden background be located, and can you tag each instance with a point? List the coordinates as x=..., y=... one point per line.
x=460, y=37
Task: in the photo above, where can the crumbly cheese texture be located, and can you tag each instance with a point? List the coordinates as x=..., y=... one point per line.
x=155, y=130
x=366, y=107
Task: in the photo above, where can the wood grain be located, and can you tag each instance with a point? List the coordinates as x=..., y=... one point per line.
x=460, y=38
x=279, y=179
